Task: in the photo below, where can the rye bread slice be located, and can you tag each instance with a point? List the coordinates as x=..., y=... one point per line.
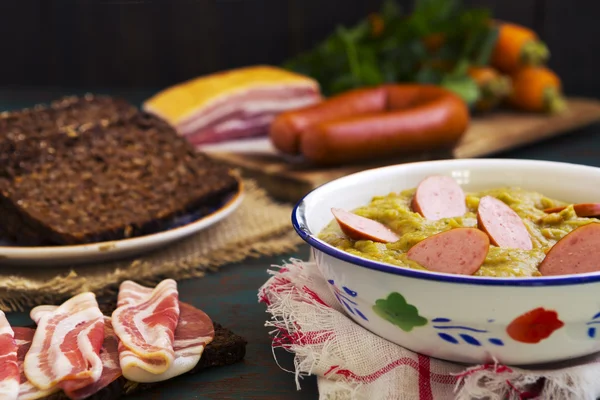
x=108, y=181
x=21, y=130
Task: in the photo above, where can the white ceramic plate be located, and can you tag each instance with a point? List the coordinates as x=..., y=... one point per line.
x=32, y=256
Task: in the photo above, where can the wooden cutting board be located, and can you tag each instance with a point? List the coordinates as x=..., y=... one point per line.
x=289, y=179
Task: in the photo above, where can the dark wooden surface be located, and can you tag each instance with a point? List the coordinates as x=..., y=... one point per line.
x=230, y=298
x=149, y=43
x=230, y=295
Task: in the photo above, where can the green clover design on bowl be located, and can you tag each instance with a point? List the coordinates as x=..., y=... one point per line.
x=396, y=310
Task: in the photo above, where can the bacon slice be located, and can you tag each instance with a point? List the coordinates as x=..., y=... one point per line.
x=23, y=338
x=194, y=331
x=233, y=104
x=66, y=345
x=145, y=321
x=245, y=116
x=9, y=368
x=111, y=369
x=109, y=355
x=38, y=312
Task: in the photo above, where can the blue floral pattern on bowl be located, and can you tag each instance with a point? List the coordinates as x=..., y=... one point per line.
x=454, y=334
x=592, y=330
x=345, y=296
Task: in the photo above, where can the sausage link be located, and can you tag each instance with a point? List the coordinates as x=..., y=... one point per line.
x=582, y=209
x=286, y=128
x=421, y=118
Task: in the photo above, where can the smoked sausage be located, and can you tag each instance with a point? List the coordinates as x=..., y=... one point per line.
x=439, y=197
x=577, y=252
x=361, y=228
x=582, y=209
x=286, y=128
x=373, y=123
x=457, y=251
x=504, y=226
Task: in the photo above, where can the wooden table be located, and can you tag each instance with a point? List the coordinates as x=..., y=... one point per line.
x=230, y=296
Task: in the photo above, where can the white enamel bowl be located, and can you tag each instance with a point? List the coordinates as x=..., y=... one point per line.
x=456, y=317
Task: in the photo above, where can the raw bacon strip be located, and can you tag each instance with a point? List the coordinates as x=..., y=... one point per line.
x=194, y=331
x=23, y=338
x=111, y=370
x=9, y=368
x=145, y=322
x=259, y=104
x=232, y=129
x=38, y=312
x=109, y=355
x=66, y=345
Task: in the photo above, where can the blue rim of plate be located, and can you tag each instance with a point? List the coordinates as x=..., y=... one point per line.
x=302, y=230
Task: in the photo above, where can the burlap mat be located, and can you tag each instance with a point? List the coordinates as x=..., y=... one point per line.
x=259, y=227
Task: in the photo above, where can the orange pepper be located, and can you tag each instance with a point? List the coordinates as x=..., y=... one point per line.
x=517, y=46
x=536, y=89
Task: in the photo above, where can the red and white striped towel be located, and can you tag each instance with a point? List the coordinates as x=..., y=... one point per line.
x=352, y=363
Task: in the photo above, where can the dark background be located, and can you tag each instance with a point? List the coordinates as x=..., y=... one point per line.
x=154, y=43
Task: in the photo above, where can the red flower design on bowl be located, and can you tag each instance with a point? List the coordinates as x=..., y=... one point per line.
x=534, y=326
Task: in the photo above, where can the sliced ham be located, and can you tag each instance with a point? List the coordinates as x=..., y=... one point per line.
x=9, y=368
x=232, y=104
x=65, y=350
x=23, y=338
x=194, y=331
x=145, y=321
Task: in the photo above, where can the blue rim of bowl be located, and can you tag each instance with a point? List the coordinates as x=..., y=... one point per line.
x=302, y=230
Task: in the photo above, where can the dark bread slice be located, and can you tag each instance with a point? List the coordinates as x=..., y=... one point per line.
x=63, y=114
x=68, y=111
x=108, y=182
x=227, y=348
x=21, y=129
